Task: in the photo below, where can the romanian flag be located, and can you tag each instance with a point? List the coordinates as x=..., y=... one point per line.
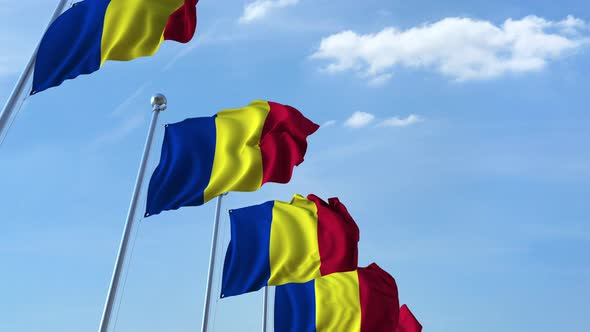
x=275, y=243
x=365, y=300
x=235, y=150
x=81, y=39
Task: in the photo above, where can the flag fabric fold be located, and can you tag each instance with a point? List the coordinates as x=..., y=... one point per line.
x=235, y=150
x=91, y=32
x=407, y=321
x=275, y=243
x=364, y=300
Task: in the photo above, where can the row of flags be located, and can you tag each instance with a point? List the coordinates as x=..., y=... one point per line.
x=306, y=247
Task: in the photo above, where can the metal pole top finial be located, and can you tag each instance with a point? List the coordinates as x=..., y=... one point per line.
x=159, y=102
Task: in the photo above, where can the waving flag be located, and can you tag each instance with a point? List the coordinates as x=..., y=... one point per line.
x=92, y=31
x=365, y=300
x=275, y=243
x=407, y=321
x=235, y=150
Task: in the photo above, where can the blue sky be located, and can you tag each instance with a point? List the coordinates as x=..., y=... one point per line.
x=456, y=134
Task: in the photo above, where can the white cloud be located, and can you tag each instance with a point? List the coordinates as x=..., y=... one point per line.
x=380, y=79
x=328, y=123
x=572, y=25
x=459, y=48
x=401, y=122
x=259, y=9
x=359, y=120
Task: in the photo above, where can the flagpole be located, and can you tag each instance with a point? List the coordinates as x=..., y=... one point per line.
x=265, y=310
x=159, y=104
x=19, y=88
x=209, y=290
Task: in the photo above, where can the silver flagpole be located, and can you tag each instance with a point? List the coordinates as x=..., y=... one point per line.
x=265, y=310
x=159, y=104
x=209, y=290
x=19, y=88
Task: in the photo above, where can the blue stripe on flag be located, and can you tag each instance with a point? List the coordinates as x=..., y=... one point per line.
x=185, y=165
x=71, y=45
x=247, y=261
x=295, y=308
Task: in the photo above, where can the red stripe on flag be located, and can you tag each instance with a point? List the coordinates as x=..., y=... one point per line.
x=338, y=236
x=283, y=142
x=379, y=300
x=182, y=23
x=407, y=321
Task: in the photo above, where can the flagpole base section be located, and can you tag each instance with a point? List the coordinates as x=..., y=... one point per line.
x=265, y=310
x=159, y=104
x=211, y=271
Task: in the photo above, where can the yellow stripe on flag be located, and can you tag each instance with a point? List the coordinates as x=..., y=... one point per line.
x=338, y=303
x=135, y=28
x=237, y=165
x=294, y=250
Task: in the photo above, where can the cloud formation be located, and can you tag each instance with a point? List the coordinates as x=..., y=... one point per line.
x=328, y=123
x=459, y=48
x=362, y=119
x=259, y=9
x=401, y=122
x=359, y=120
